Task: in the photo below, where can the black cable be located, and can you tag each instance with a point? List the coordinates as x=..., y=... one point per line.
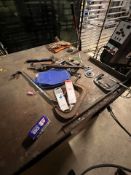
x=114, y=117
x=98, y=51
x=104, y=166
x=102, y=27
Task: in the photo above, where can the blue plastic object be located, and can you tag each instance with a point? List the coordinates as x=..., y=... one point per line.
x=39, y=127
x=52, y=78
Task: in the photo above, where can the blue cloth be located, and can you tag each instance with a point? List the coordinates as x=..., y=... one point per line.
x=52, y=77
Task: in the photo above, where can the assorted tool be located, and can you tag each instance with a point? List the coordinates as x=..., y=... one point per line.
x=62, y=115
x=43, y=67
x=58, y=46
x=57, y=75
x=126, y=87
x=106, y=86
x=67, y=103
x=52, y=59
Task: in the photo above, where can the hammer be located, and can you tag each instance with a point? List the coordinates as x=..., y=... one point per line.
x=52, y=58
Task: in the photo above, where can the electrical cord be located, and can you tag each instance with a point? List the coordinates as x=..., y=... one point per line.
x=117, y=121
x=102, y=47
x=104, y=166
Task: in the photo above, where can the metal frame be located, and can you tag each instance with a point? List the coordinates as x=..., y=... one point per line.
x=100, y=20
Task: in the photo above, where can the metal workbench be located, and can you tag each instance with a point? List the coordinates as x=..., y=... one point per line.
x=19, y=112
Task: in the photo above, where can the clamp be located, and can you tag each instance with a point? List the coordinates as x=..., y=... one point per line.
x=106, y=87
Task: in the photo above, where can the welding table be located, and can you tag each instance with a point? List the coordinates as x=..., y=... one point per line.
x=19, y=112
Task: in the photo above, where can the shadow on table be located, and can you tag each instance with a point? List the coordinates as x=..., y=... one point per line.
x=28, y=142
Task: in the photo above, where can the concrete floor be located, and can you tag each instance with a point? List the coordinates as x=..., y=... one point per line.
x=103, y=142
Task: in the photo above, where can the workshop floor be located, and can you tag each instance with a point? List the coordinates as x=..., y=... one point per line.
x=103, y=142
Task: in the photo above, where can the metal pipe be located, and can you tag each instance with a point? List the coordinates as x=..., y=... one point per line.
x=76, y=26
x=80, y=28
x=102, y=29
x=41, y=91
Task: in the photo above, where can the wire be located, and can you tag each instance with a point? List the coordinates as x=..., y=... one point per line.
x=105, y=165
x=98, y=51
x=102, y=27
x=114, y=117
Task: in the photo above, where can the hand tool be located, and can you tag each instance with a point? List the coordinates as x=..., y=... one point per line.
x=52, y=59
x=58, y=46
x=120, y=84
x=61, y=66
x=41, y=91
x=71, y=70
x=47, y=66
x=69, y=63
x=65, y=62
x=128, y=95
x=104, y=86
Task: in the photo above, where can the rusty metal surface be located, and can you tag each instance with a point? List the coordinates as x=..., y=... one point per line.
x=19, y=112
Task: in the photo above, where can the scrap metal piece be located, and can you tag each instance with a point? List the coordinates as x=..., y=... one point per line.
x=120, y=84
x=58, y=46
x=44, y=67
x=60, y=66
x=52, y=59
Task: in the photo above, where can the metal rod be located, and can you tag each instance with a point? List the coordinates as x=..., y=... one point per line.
x=41, y=91
x=102, y=29
x=120, y=84
x=80, y=28
x=76, y=26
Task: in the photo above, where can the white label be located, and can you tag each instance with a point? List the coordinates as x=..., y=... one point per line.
x=61, y=99
x=70, y=92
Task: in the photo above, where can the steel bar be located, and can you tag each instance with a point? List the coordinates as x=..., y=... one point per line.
x=41, y=91
x=102, y=28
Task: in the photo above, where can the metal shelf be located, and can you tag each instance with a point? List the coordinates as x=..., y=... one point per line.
x=95, y=12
